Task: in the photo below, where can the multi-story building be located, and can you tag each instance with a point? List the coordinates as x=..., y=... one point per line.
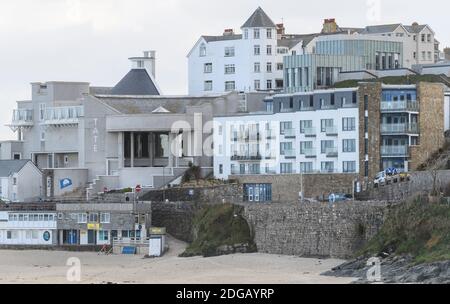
x=247, y=62
x=359, y=131
x=20, y=181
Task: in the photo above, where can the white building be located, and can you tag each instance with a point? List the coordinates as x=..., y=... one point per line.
x=250, y=61
x=321, y=138
x=28, y=228
x=20, y=180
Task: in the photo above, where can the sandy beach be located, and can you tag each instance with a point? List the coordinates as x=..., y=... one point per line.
x=49, y=267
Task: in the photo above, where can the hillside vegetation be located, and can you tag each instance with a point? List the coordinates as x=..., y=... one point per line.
x=416, y=228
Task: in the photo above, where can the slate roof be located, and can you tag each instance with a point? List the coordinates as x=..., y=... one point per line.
x=222, y=38
x=136, y=82
x=8, y=167
x=415, y=29
x=380, y=29
x=259, y=19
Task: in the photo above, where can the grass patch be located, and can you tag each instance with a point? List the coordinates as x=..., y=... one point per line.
x=216, y=226
x=417, y=228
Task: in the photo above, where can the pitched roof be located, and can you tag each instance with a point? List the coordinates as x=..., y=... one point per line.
x=415, y=29
x=259, y=19
x=222, y=38
x=380, y=29
x=8, y=167
x=290, y=41
x=136, y=82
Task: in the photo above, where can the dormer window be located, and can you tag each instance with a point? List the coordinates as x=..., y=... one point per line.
x=202, y=50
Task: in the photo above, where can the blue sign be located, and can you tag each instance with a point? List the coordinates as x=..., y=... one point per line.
x=46, y=236
x=64, y=183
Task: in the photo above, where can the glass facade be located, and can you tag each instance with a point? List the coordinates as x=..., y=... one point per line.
x=257, y=192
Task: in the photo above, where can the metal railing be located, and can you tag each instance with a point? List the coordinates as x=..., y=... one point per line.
x=63, y=114
x=394, y=150
x=400, y=128
x=309, y=132
x=333, y=130
x=22, y=115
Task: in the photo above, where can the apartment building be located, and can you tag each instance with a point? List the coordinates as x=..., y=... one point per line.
x=345, y=133
x=247, y=62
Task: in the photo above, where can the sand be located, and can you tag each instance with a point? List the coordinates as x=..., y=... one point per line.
x=48, y=267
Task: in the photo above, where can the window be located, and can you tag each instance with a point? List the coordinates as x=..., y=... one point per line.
x=285, y=125
x=256, y=34
x=429, y=56
x=229, y=51
x=348, y=145
x=105, y=218
x=327, y=167
x=17, y=156
x=285, y=146
x=257, y=50
x=305, y=124
x=286, y=168
x=349, y=167
x=257, y=84
x=41, y=111
x=269, y=50
x=429, y=38
x=81, y=218
x=230, y=69
x=14, y=181
x=257, y=67
x=202, y=50
x=348, y=124
x=103, y=235
x=326, y=123
x=269, y=33
x=423, y=37
x=230, y=86
x=423, y=55
x=306, y=167
x=208, y=85
x=246, y=34
x=269, y=84
x=366, y=102
x=93, y=218
x=207, y=68
x=279, y=66
x=257, y=192
x=326, y=145
x=305, y=146
x=269, y=67
x=220, y=169
x=42, y=137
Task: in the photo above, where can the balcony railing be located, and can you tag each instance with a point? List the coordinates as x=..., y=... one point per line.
x=309, y=132
x=63, y=115
x=394, y=151
x=331, y=152
x=246, y=157
x=289, y=153
x=394, y=106
x=328, y=170
x=309, y=152
x=405, y=128
x=22, y=117
x=331, y=130
x=270, y=134
x=289, y=132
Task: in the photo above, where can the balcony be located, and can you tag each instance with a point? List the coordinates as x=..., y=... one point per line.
x=331, y=152
x=58, y=116
x=400, y=106
x=309, y=132
x=394, y=151
x=331, y=131
x=289, y=153
x=405, y=128
x=270, y=134
x=247, y=157
x=289, y=133
x=22, y=118
x=309, y=153
x=328, y=171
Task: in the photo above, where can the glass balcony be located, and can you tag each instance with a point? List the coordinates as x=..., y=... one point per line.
x=310, y=132
x=289, y=153
x=63, y=115
x=289, y=133
x=400, y=106
x=309, y=153
x=394, y=151
x=22, y=117
x=404, y=128
x=331, y=131
x=331, y=152
x=247, y=157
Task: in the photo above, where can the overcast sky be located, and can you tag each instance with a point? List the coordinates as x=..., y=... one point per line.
x=90, y=40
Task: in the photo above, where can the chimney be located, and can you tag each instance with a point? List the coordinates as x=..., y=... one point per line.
x=148, y=62
x=281, y=30
x=329, y=26
x=228, y=32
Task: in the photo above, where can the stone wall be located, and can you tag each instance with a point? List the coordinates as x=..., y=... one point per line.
x=420, y=182
x=431, y=122
x=286, y=188
x=231, y=193
x=315, y=230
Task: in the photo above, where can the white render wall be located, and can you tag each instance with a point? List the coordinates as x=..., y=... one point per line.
x=243, y=60
x=223, y=142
